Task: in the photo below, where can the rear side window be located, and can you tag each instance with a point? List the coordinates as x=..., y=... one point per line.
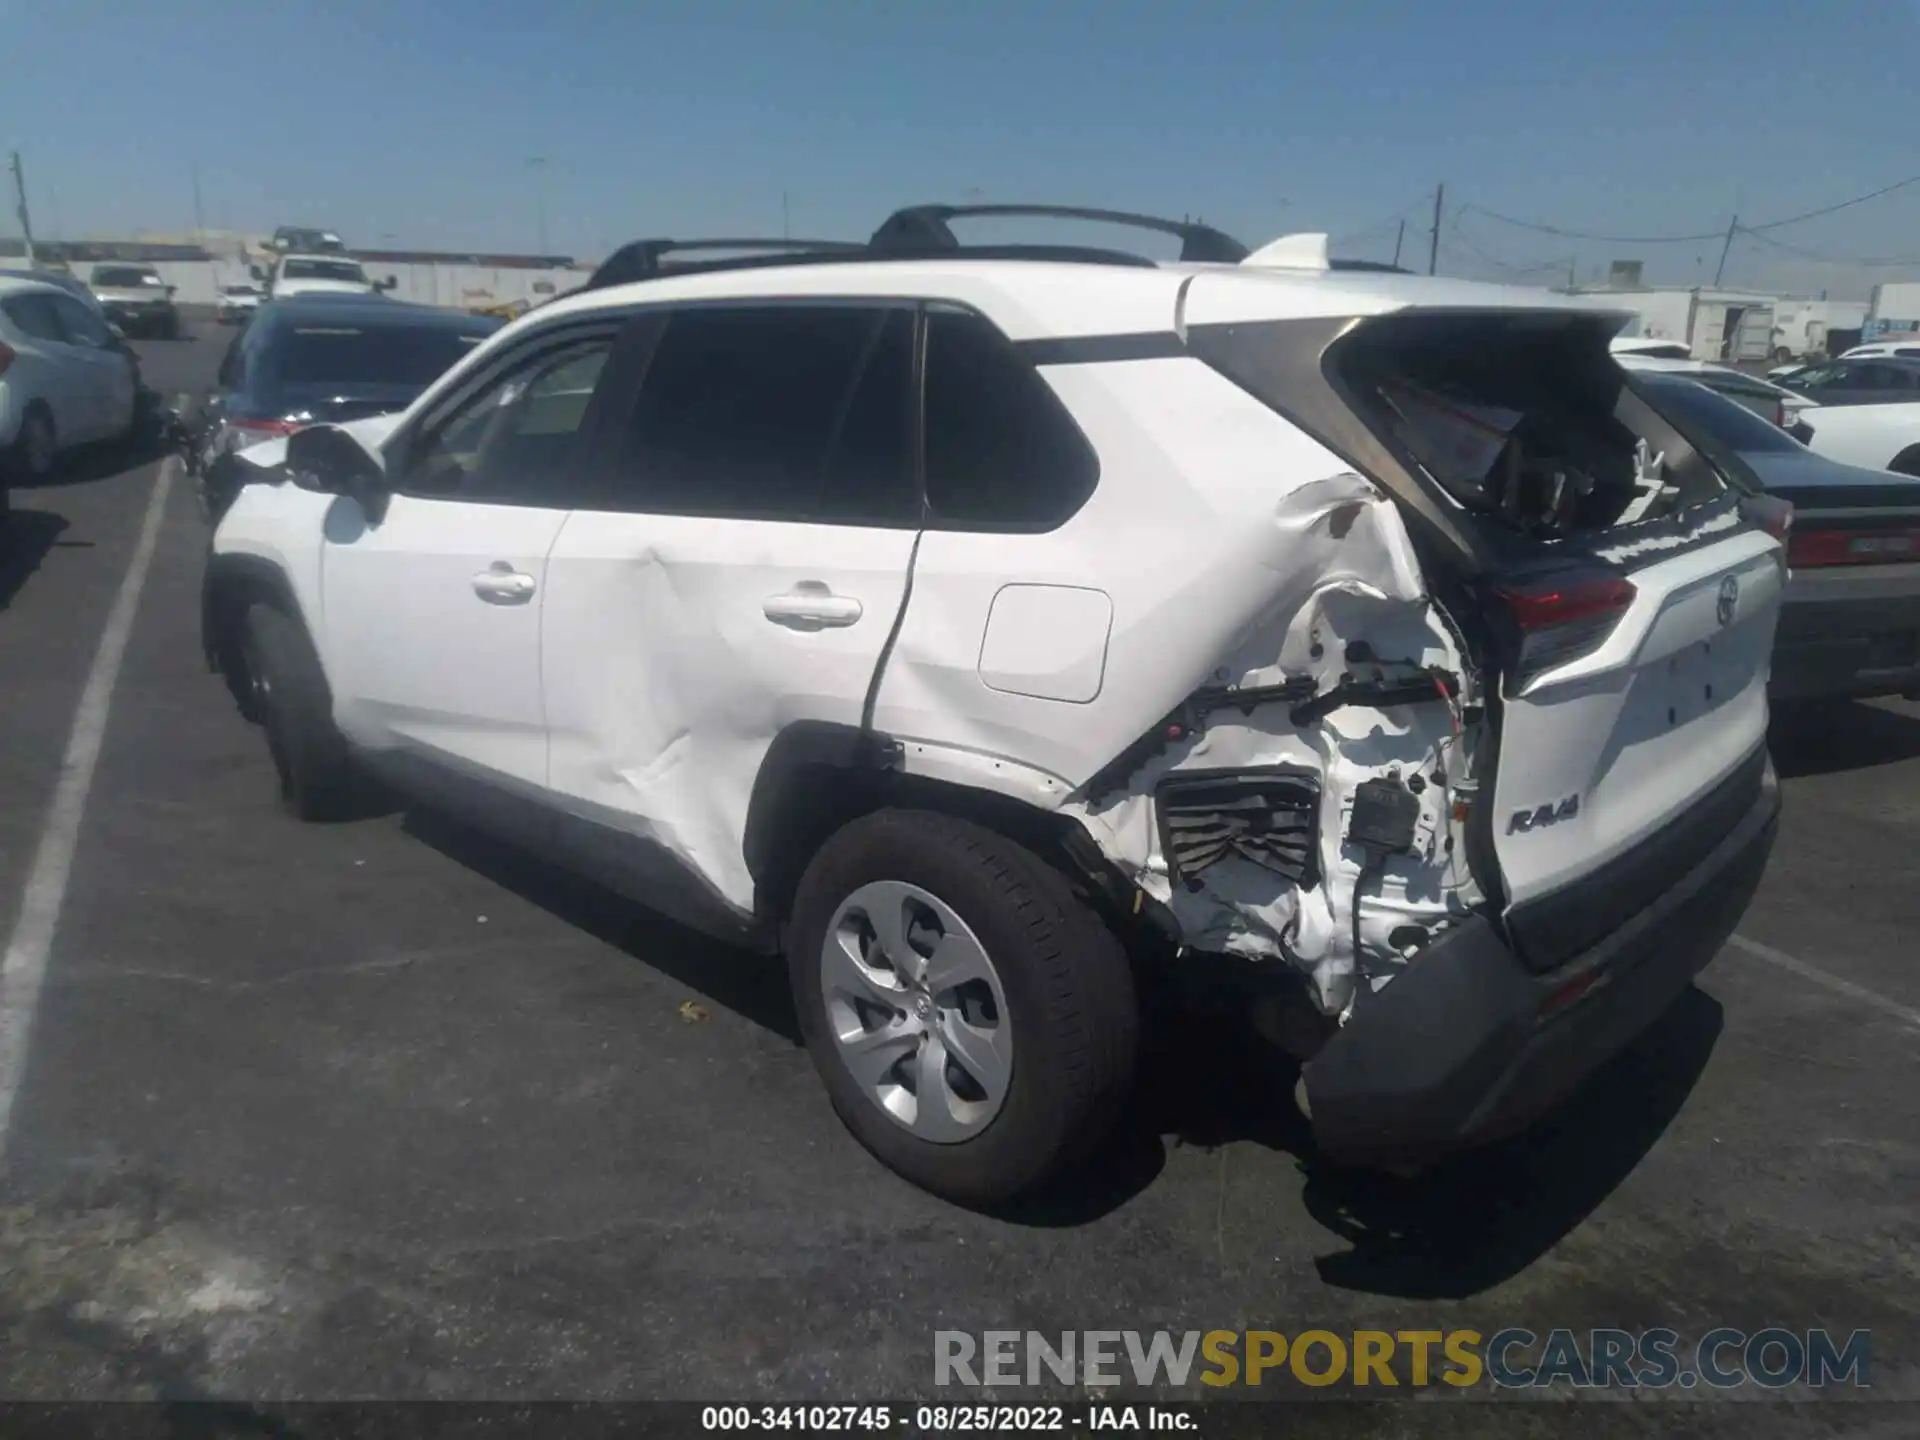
x=784, y=413
x=34, y=317
x=1001, y=451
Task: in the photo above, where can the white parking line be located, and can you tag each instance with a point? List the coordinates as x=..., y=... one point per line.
x=25, y=967
x=1799, y=967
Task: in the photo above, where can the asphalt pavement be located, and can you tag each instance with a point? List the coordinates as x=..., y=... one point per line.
x=381, y=1109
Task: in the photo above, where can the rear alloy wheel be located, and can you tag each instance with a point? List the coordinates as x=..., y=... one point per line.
x=972, y=1018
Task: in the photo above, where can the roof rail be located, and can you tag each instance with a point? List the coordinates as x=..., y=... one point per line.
x=923, y=230
x=641, y=259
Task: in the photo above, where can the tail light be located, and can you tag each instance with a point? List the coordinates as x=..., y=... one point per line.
x=6, y=356
x=263, y=428
x=1818, y=549
x=1559, y=618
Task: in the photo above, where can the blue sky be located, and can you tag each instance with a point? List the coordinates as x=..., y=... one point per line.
x=405, y=122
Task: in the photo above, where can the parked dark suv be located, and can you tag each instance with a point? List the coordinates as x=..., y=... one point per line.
x=320, y=357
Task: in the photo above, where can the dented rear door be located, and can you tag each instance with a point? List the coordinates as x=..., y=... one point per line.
x=741, y=572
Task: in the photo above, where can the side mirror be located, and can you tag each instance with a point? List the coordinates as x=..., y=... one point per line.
x=392, y=282
x=324, y=458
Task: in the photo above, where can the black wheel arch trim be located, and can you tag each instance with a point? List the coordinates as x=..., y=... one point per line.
x=225, y=578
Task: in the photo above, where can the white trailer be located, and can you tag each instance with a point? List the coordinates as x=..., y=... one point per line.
x=1893, y=311
x=1720, y=325
x=1801, y=327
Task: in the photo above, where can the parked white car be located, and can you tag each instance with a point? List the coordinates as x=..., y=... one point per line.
x=65, y=379
x=320, y=275
x=1900, y=349
x=238, y=302
x=981, y=629
x=1878, y=437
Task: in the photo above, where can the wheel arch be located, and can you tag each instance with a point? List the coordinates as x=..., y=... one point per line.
x=1907, y=462
x=819, y=775
x=230, y=585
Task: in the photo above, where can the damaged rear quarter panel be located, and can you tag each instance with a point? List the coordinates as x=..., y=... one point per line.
x=1254, y=558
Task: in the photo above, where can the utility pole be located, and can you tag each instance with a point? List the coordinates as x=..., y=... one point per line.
x=1572, y=260
x=786, y=230
x=1433, y=246
x=1721, y=268
x=1396, y=242
x=199, y=217
x=20, y=199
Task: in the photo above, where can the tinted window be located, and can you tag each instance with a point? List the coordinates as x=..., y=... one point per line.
x=323, y=270
x=320, y=354
x=1001, y=449
x=123, y=276
x=82, y=326
x=1715, y=417
x=515, y=440
x=33, y=316
x=793, y=413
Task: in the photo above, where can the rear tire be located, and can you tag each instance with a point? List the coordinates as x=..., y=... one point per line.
x=1064, y=1012
x=32, y=454
x=295, y=706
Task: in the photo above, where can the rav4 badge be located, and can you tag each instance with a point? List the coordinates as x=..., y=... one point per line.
x=1524, y=820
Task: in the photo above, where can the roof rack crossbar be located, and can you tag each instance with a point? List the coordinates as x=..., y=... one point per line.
x=641, y=259
x=922, y=228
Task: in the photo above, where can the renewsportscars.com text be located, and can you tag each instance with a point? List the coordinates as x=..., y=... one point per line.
x=1510, y=1358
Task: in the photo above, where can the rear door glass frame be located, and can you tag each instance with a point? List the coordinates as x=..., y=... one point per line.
x=616, y=491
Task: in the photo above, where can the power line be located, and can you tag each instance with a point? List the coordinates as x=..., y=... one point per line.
x=1864, y=262
x=1588, y=235
x=1843, y=205
x=1386, y=226
x=1705, y=235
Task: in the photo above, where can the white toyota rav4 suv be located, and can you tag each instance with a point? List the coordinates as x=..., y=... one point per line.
x=975, y=624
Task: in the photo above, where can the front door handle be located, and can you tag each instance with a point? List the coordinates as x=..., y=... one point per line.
x=811, y=605
x=501, y=584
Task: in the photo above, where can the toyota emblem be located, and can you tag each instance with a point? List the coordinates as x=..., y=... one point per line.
x=1729, y=603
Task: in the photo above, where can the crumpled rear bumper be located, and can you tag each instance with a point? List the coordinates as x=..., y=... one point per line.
x=1468, y=1045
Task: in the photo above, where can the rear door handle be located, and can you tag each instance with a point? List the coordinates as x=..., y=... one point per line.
x=810, y=605
x=501, y=584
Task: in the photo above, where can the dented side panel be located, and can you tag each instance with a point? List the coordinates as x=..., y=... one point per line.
x=1265, y=565
x=676, y=647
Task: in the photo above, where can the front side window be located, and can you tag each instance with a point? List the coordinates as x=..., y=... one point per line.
x=82, y=326
x=1002, y=452
x=794, y=413
x=519, y=441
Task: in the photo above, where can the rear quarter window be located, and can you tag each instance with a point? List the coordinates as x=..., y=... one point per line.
x=1002, y=453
